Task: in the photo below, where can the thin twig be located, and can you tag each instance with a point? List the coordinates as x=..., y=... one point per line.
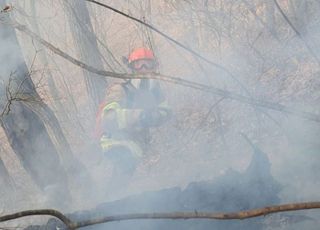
x=260, y=20
x=297, y=32
x=174, y=41
x=203, y=121
x=159, y=32
x=173, y=80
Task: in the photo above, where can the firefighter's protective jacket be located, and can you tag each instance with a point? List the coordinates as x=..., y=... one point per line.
x=130, y=109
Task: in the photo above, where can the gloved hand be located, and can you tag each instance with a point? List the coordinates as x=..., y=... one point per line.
x=150, y=118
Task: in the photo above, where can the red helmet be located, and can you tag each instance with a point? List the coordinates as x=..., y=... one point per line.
x=141, y=53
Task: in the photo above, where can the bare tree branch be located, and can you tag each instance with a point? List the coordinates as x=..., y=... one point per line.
x=297, y=32
x=15, y=94
x=205, y=215
x=159, y=32
x=46, y=212
x=169, y=215
x=198, y=128
x=174, y=41
x=261, y=21
x=173, y=80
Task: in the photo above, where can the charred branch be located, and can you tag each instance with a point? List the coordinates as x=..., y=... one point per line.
x=173, y=215
x=42, y=212
x=206, y=215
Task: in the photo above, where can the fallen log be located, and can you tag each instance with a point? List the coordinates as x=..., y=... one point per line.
x=231, y=192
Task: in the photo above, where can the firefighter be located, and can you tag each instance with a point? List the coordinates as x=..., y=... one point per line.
x=130, y=109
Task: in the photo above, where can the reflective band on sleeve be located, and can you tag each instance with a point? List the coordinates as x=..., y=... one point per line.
x=163, y=112
x=164, y=104
x=112, y=105
x=108, y=143
x=121, y=113
x=164, y=109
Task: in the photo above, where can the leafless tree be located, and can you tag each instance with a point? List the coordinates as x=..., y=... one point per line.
x=22, y=121
x=87, y=47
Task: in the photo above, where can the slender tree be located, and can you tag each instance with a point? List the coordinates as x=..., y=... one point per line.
x=87, y=47
x=21, y=123
x=5, y=178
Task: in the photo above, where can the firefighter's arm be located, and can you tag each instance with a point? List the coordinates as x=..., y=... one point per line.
x=161, y=113
x=156, y=116
x=117, y=118
x=165, y=111
x=114, y=116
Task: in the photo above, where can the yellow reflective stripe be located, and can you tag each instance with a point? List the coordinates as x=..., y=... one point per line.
x=164, y=108
x=164, y=104
x=108, y=143
x=163, y=112
x=112, y=105
x=121, y=113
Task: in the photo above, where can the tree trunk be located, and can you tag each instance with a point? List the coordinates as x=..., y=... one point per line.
x=5, y=179
x=299, y=14
x=87, y=47
x=70, y=163
x=24, y=129
x=44, y=59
